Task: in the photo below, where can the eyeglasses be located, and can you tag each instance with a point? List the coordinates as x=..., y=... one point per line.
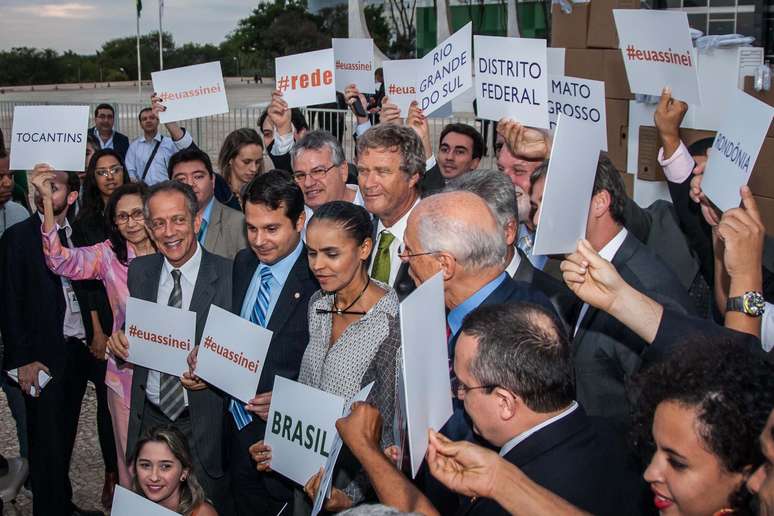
x=459, y=389
x=123, y=218
x=316, y=174
x=404, y=255
x=109, y=172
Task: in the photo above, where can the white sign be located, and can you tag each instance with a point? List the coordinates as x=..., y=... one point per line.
x=49, y=134
x=736, y=148
x=127, y=503
x=306, y=79
x=568, y=186
x=578, y=98
x=658, y=52
x=512, y=79
x=446, y=72
x=326, y=483
x=191, y=92
x=160, y=336
x=301, y=428
x=354, y=63
x=400, y=79
x=43, y=379
x=555, y=60
x=232, y=353
x=425, y=365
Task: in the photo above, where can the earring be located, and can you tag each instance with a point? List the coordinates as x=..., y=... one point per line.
x=183, y=478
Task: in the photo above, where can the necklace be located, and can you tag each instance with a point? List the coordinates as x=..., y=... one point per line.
x=340, y=311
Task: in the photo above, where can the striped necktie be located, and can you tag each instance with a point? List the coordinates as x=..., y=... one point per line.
x=171, y=395
x=257, y=316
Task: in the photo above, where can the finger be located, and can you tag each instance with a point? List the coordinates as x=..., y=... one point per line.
x=572, y=277
x=666, y=96
x=742, y=219
x=590, y=255
x=750, y=205
x=574, y=263
x=735, y=225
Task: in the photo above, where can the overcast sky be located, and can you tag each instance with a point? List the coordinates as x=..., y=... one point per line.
x=84, y=25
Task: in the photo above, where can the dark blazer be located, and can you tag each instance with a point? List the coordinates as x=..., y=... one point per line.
x=91, y=294
x=207, y=407
x=562, y=299
x=120, y=143
x=432, y=181
x=606, y=353
x=289, y=320
x=580, y=459
x=33, y=312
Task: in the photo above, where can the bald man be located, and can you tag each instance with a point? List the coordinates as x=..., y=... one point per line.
x=457, y=233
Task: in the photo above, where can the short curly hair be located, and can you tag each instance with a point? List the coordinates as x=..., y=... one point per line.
x=731, y=387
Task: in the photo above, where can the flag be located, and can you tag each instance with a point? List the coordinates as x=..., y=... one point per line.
x=139, y=7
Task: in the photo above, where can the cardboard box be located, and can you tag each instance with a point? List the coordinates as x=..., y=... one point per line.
x=766, y=209
x=648, y=168
x=600, y=65
x=568, y=30
x=762, y=178
x=766, y=96
x=617, y=113
x=601, y=31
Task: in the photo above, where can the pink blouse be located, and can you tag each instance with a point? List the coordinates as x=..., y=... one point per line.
x=98, y=262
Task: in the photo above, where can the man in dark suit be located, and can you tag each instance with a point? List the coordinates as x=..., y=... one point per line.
x=43, y=330
x=525, y=407
x=390, y=166
x=272, y=286
x=456, y=233
x=106, y=136
x=606, y=354
x=183, y=275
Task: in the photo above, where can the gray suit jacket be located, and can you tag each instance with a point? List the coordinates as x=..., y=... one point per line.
x=207, y=407
x=226, y=233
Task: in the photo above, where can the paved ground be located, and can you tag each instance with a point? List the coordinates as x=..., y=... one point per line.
x=87, y=470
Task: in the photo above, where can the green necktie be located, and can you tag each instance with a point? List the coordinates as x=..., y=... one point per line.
x=381, y=269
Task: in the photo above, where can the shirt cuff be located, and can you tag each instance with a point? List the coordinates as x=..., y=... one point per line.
x=282, y=144
x=184, y=142
x=360, y=129
x=430, y=163
x=767, y=328
x=679, y=166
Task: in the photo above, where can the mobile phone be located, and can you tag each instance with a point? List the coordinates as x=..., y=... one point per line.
x=357, y=106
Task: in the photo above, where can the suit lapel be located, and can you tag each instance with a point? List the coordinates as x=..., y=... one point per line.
x=214, y=227
x=149, y=289
x=524, y=272
x=243, y=279
x=290, y=293
x=547, y=438
x=204, y=290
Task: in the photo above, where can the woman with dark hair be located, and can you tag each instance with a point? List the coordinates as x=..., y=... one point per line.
x=104, y=173
x=241, y=159
x=108, y=262
x=163, y=473
x=701, y=412
x=354, y=332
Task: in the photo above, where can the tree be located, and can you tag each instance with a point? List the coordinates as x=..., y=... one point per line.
x=377, y=26
x=402, y=13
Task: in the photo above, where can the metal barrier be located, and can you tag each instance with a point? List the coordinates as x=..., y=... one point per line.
x=209, y=132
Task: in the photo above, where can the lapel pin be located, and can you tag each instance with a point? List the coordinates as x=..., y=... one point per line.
x=296, y=295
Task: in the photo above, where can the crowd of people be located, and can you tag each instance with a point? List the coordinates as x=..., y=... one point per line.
x=632, y=376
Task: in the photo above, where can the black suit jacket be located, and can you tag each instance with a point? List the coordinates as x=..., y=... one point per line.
x=580, y=459
x=208, y=406
x=120, y=143
x=289, y=320
x=432, y=181
x=605, y=352
x=33, y=304
x=91, y=294
x=562, y=299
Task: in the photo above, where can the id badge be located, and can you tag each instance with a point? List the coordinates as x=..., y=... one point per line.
x=74, y=306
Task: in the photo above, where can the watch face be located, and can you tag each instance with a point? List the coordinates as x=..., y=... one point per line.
x=753, y=304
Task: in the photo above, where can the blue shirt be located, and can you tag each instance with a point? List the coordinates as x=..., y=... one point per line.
x=104, y=145
x=140, y=152
x=526, y=241
x=279, y=272
x=458, y=313
x=206, y=220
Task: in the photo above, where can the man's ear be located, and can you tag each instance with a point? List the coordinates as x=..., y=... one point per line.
x=600, y=203
x=448, y=265
x=71, y=198
x=508, y=403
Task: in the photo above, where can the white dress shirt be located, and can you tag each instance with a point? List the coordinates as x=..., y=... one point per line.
x=607, y=253
x=515, y=262
x=397, y=230
x=189, y=271
x=523, y=436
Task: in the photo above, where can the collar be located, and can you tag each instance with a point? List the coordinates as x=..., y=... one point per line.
x=67, y=227
x=157, y=138
x=458, y=313
x=99, y=138
x=208, y=210
x=399, y=228
x=515, y=262
x=189, y=269
x=280, y=270
x=524, y=435
x=612, y=247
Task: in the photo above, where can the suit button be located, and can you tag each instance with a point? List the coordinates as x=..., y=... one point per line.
x=142, y=387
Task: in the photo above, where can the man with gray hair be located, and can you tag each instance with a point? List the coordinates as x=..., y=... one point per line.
x=500, y=194
x=391, y=163
x=320, y=170
x=457, y=234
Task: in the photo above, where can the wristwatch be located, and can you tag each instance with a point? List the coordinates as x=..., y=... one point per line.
x=750, y=303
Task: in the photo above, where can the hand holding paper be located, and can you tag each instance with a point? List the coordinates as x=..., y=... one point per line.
x=390, y=113
x=118, y=345
x=668, y=118
x=351, y=95
x=279, y=113
x=524, y=142
x=592, y=278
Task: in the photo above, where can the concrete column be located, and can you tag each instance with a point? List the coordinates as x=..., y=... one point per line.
x=358, y=28
x=442, y=21
x=513, y=19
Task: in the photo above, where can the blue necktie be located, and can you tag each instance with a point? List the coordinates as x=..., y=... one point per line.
x=202, y=231
x=257, y=316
